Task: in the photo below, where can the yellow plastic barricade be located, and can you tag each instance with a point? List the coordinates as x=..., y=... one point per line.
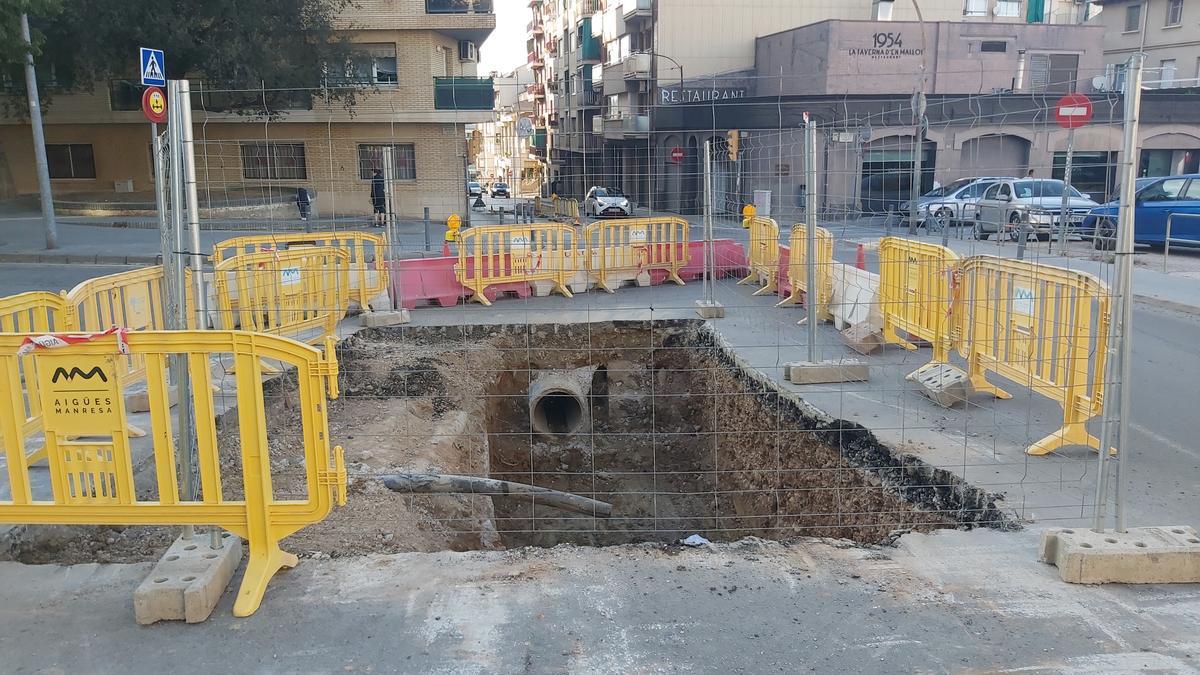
x=500, y=254
x=622, y=250
x=1040, y=326
x=368, y=264
x=299, y=293
x=566, y=209
x=916, y=293
x=132, y=300
x=798, y=272
x=763, y=254
x=37, y=312
x=92, y=481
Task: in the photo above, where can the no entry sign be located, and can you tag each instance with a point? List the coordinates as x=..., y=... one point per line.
x=677, y=155
x=1073, y=111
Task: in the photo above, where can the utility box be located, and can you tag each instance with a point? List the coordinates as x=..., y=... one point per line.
x=123, y=185
x=762, y=202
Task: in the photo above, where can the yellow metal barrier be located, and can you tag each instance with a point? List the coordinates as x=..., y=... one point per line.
x=502, y=254
x=132, y=300
x=619, y=250
x=92, y=481
x=37, y=312
x=566, y=209
x=299, y=293
x=544, y=208
x=916, y=293
x=798, y=273
x=763, y=254
x=368, y=275
x=1040, y=326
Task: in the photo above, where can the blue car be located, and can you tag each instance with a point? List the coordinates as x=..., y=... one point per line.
x=1157, y=199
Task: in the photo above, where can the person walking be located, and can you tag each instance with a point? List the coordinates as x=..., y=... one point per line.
x=303, y=202
x=378, y=199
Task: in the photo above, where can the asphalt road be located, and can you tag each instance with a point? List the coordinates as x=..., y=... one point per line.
x=22, y=277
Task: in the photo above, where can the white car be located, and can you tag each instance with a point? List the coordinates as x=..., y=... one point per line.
x=1031, y=205
x=953, y=203
x=604, y=202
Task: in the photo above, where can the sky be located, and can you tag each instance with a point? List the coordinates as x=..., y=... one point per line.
x=504, y=49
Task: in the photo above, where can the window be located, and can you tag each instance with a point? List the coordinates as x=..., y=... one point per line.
x=1053, y=72
x=1008, y=8
x=1174, y=13
x=993, y=46
x=1005, y=190
x=1166, y=73
x=1133, y=17
x=1166, y=191
x=404, y=160
x=1193, y=191
x=992, y=192
x=1118, y=78
x=438, y=62
x=975, y=8
x=71, y=161
x=274, y=161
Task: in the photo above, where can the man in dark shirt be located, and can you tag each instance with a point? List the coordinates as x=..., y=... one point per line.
x=378, y=199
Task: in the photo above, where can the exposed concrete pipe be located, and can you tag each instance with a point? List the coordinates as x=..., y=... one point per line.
x=559, y=402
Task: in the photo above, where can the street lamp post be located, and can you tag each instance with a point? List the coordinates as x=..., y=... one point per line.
x=650, y=134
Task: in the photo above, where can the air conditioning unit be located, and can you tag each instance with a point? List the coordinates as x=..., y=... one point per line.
x=467, y=51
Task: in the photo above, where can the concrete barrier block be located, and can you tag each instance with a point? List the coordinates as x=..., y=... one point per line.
x=187, y=583
x=714, y=310
x=825, y=372
x=862, y=338
x=945, y=384
x=1141, y=555
x=138, y=401
x=388, y=317
x=380, y=303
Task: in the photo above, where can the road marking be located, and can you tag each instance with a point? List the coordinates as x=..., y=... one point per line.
x=1165, y=441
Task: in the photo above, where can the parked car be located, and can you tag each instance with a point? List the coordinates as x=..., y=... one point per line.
x=500, y=190
x=474, y=189
x=601, y=202
x=953, y=203
x=1155, y=200
x=1032, y=205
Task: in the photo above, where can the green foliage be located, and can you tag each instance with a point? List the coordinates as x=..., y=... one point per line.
x=268, y=46
x=12, y=47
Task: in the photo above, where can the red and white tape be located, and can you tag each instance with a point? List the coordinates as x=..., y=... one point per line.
x=59, y=340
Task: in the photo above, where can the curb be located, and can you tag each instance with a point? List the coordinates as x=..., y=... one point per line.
x=77, y=259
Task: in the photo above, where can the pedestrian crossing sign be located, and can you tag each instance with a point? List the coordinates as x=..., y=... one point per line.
x=153, y=67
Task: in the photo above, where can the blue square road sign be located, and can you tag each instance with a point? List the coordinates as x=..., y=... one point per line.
x=153, y=67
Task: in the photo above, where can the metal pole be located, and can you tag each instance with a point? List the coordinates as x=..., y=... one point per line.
x=918, y=146
x=1116, y=408
x=467, y=198
x=427, y=244
x=39, y=139
x=708, y=226
x=177, y=320
x=1064, y=219
x=810, y=237
x=389, y=175
x=1133, y=102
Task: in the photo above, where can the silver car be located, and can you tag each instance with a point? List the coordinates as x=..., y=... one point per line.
x=604, y=202
x=953, y=203
x=1030, y=205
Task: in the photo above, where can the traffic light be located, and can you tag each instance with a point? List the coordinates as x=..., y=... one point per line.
x=732, y=140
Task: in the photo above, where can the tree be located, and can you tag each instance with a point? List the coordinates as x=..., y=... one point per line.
x=12, y=47
x=269, y=46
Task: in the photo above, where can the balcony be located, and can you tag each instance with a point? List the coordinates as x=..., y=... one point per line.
x=460, y=19
x=636, y=67
x=538, y=140
x=588, y=7
x=589, y=46
x=537, y=90
x=588, y=98
x=463, y=93
x=535, y=3
x=626, y=124
x=534, y=28
x=552, y=47
x=631, y=9
x=535, y=60
x=552, y=86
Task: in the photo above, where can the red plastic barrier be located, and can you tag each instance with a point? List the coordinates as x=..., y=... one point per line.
x=432, y=280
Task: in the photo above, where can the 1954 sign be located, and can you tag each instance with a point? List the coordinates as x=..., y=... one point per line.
x=886, y=46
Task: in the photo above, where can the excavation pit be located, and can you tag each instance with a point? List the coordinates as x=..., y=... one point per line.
x=658, y=419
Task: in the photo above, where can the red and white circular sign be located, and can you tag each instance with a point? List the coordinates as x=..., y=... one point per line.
x=154, y=105
x=1073, y=111
x=677, y=155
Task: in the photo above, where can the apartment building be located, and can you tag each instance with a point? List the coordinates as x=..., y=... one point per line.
x=608, y=66
x=505, y=141
x=416, y=90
